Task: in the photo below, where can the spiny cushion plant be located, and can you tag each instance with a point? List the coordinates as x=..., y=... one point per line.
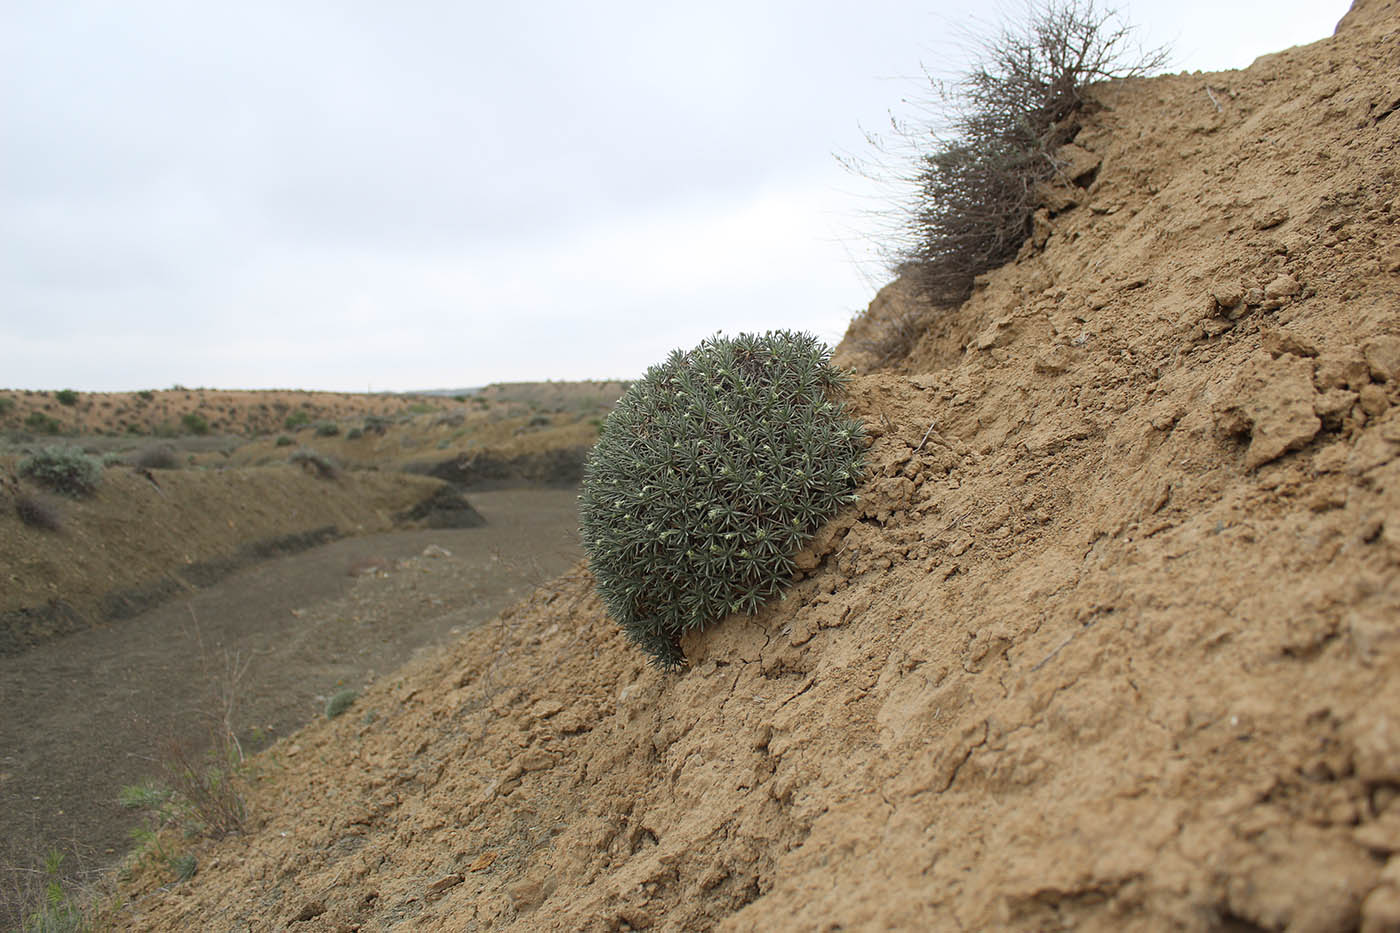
x=709, y=475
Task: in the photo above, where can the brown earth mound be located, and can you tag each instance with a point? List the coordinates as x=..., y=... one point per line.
x=1111, y=642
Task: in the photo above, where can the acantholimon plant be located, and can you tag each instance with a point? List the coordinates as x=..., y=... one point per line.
x=708, y=476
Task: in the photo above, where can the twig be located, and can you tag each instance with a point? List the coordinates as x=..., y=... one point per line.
x=925, y=437
x=1218, y=108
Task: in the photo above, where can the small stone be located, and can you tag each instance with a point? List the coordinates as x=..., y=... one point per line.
x=1383, y=357
x=1279, y=341
x=1377, y=739
x=434, y=550
x=1332, y=458
x=1254, y=297
x=1077, y=163
x=636, y=918
x=443, y=883
x=1227, y=296
x=1285, y=286
x=536, y=759
x=1373, y=400
x=1334, y=404
x=1270, y=218
x=483, y=861
x=1390, y=260
x=1272, y=401
x=1053, y=361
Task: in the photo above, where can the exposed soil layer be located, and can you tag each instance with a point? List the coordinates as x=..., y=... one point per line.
x=562, y=467
x=87, y=714
x=1112, y=640
x=146, y=536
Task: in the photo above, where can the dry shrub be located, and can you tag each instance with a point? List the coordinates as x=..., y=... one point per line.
x=315, y=463
x=994, y=134
x=157, y=457
x=38, y=511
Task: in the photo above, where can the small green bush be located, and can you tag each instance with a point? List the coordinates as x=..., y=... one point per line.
x=340, y=702
x=7, y=404
x=40, y=423
x=194, y=423
x=709, y=475
x=296, y=420
x=354, y=434
x=327, y=429
x=284, y=441
x=63, y=469
x=377, y=424
x=66, y=397
x=146, y=395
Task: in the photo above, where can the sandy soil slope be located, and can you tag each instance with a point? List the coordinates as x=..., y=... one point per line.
x=1112, y=641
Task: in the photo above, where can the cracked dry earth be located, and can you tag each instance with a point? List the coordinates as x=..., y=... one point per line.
x=1111, y=641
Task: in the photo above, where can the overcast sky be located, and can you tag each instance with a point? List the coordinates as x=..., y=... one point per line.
x=361, y=195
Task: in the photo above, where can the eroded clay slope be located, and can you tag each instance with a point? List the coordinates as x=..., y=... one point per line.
x=1111, y=642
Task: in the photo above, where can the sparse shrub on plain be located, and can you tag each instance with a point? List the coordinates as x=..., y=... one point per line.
x=354, y=434
x=377, y=424
x=66, y=397
x=284, y=441
x=710, y=474
x=995, y=135
x=314, y=462
x=41, y=423
x=38, y=511
x=111, y=459
x=297, y=419
x=327, y=429
x=157, y=457
x=194, y=423
x=63, y=469
x=7, y=405
x=146, y=395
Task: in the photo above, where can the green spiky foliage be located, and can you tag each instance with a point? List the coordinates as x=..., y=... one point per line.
x=709, y=476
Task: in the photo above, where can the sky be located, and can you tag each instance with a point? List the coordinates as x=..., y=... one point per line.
x=360, y=196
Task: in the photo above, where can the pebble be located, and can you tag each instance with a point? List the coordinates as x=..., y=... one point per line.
x=1278, y=342
x=1227, y=296
x=1378, y=744
x=1285, y=286
x=1383, y=357
x=1373, y=400
x=443, y=883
